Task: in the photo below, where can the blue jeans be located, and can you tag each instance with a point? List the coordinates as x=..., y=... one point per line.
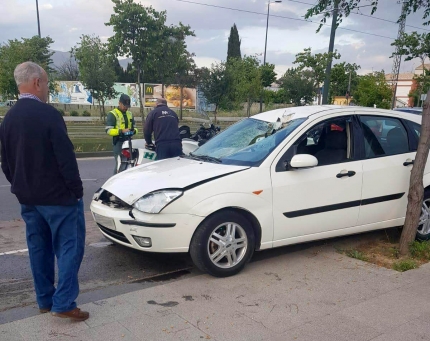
x=55, y=231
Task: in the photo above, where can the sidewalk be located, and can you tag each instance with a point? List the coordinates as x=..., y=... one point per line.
x=310, y=294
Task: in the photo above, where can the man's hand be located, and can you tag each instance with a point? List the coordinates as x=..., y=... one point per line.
x=125, y=130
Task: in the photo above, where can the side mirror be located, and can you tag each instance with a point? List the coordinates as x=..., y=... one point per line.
x=303, y=161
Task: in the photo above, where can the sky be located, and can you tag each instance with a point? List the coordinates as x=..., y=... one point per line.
x=66, y=20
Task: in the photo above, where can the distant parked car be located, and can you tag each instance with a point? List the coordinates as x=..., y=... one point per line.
x=416, y=110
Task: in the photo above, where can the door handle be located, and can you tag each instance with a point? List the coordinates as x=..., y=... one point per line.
x=345, y=173
x=408, y=162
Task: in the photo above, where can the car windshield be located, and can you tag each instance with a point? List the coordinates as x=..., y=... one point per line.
x=247, y=142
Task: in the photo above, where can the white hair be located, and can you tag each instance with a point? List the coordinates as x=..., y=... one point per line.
x=26, y=72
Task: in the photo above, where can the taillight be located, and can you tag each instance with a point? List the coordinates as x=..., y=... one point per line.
x=126, y=153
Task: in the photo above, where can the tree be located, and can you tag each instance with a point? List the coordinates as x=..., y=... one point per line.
x=15, y=52
x=68, y=70
x=97, y=67
x=346, y=7
x=413, y=46
x=173, y=51
x=136, y=29
x=268, y=74
x=186, y=75
x=316, y=63
x=233, y=50
x=246, y=80
x=340, y=77
x=298, y=86
x=214, y=84
x=423, y=85
x=373, y=89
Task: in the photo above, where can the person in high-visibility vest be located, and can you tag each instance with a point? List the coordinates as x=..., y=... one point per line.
x=119, y=121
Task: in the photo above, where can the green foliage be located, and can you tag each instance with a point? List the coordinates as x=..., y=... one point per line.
x=316, y=64
x=15, y=52
x=298, y=86
x=245, y=80
x=214, y=84
x=420, y=250
x=339, y=79
x=96, y=65
x=423, y=86
x=233, y=50
x=268, y=74
x=74, y=113
x=86, y=113
x=61, y=112
x=346, y=7
x=373, y=89
x=405, y=265
x=356, y=254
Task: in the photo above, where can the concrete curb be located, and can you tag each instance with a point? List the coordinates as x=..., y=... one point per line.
x=93, y=154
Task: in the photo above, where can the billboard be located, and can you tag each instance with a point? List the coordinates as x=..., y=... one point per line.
x=202, y=103
x=130, y=89
x=172, y=94
x=70, y=92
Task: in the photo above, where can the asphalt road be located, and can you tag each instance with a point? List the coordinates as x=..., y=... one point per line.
x=94, y=172
x=106, y=267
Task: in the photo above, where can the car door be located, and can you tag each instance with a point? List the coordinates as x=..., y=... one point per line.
x=307, y=202
x=387, y=164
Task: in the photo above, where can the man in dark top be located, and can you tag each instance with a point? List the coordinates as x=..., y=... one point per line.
x=38, y=160
x=120, y=121
x=164, y=123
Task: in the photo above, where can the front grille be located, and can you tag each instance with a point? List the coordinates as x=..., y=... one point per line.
x=114, y=234
x=108, y=199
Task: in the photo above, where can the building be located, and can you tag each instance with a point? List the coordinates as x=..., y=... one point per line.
x=405, y=85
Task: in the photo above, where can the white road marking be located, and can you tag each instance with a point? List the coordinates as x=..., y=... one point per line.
x=4, y=185
x=13, y=252
x=89, y=179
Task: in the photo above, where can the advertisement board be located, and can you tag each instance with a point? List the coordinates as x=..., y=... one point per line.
x=130, y=89
x=202, y=103
x=70, y=92
x=172, y=94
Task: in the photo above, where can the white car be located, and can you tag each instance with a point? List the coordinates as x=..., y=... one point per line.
x=281, y=177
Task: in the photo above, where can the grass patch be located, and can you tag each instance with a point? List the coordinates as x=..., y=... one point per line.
x=356, y=254
x=405, y=265
x=382, y=248
x=420, y=250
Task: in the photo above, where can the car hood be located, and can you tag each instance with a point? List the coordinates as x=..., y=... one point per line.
x=132, y=184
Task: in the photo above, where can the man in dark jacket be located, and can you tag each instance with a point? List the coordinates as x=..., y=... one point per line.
x=164, y=123
x=38, y=160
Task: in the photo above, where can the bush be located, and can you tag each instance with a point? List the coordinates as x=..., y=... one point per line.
x=74, y=113
x=61, y=112
x=86, y=113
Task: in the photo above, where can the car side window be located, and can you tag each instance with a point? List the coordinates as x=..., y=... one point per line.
x=329, y=141
x=383, y=136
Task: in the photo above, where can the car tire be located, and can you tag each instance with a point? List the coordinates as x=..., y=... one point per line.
x=223, y=244
x=423, y=231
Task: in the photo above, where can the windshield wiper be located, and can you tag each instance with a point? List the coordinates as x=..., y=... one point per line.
x=206, y=158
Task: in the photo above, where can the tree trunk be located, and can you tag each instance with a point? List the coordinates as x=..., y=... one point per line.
x=181, y=89
x=103, y=110
x=416, y=188
x=162, y=89
x=140, y=97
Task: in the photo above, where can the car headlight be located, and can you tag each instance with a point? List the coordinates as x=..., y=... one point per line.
x=154, y=202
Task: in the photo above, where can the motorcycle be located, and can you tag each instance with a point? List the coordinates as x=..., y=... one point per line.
x=137, y=152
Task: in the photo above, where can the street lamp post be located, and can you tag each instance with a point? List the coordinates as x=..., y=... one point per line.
x=38, y=21
x=265, y=43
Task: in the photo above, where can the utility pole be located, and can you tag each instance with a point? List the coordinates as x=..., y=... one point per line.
x=397, y=57
x=349, y=89
x=38, y=20
x=265, y=44
x=330, y=51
